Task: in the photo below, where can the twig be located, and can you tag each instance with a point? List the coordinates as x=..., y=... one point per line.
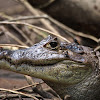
x=36, y=12
x=13, y=45
x=22, y=34
x=68, y=30
x=28, y=17
x=4, y=96
x=32, y=17
x=16, y=92
x=36, y=27
x=38, y=17
x=97, y=48
x=4, y=16
x=16, y=96
x=9, y=18
x=38, y=88
x=12, y=36
x=27, y=86
x=71, y=31
x=29, y=81
x=40, y=33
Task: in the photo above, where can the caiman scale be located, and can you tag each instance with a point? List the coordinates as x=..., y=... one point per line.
x=70, y=69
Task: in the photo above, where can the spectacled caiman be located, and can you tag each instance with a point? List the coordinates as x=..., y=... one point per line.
x=69, y=68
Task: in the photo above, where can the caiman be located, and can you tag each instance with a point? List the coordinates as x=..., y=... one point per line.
x=69, y=68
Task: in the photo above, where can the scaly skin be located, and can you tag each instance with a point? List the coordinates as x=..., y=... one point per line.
x=38, y=54
x=79, y=80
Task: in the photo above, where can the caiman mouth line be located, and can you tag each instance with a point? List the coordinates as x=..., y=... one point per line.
x=30, y=63
x=65, y=72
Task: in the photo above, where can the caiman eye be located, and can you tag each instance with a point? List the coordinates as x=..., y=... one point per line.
x=53, y=44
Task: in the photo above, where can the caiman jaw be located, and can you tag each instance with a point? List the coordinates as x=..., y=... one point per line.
x=47, y=62
x=65, y=72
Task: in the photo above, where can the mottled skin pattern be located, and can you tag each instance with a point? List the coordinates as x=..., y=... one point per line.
x=73, y=47
x=77, y=76
x=38, y=54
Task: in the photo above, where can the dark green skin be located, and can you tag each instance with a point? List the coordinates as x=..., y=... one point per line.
x=77, y=75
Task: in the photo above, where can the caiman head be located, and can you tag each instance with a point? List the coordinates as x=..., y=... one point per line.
x=71, y=73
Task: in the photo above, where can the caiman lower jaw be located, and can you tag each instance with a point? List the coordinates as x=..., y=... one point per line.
x=59, y=76
x=66, y=72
